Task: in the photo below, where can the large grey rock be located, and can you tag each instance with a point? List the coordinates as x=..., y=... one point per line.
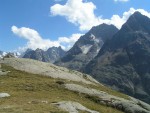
x=73, y=107
x=42, y=68
x=128, y=106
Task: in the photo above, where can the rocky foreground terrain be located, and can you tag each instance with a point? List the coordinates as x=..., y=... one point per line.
x=30, y=86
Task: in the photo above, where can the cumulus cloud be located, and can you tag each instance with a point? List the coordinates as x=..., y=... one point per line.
x=121, y=0
x=34, y=40
x=119, y=21
x=68, y=42
x=82, y=14
x=77, y=12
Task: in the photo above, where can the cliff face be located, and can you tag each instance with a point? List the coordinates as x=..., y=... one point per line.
x=87, y=47
x=123, y=62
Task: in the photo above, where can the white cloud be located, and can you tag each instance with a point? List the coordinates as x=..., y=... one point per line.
x=77, y=12
x=121, y=0
x=34, y=40
x=119, y=21
x=82, y=14
x=69, y=42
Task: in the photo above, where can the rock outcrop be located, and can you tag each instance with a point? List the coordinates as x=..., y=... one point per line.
x=73, y=107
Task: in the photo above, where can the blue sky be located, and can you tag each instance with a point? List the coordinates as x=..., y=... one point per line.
x=45, y=23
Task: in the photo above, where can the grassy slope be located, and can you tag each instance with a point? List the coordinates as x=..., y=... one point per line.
x=32, y=93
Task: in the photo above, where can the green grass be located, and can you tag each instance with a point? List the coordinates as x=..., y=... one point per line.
x=32, y=93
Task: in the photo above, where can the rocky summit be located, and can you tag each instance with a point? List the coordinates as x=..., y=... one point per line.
x=51, y=55
x=87, y=47
x=123, y=63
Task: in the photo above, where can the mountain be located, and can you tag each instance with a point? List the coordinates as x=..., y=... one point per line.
x=123, y=62
x=31, y=86
x=55, y=53
x=14, y=54
x=87, y=47
x=51, y=55
x=2, y=54
x=25, y=52
x=37, y=54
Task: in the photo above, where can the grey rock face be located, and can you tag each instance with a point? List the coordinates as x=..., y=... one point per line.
x=87, y=47
x=123, y=62
x=73, y=107
x=51, y=55
x=47, y=69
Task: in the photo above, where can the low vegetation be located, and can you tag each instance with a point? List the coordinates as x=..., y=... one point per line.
x=32, y=93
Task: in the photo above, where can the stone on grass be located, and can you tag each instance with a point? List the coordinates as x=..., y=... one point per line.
x=2, y=95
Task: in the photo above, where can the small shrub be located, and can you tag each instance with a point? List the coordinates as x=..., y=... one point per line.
x=60, y=82
x=93, y=98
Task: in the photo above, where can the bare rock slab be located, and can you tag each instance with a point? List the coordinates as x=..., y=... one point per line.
x=73, y=107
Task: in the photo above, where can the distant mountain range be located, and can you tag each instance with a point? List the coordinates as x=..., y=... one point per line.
x=15, y=54
x=2, y=54
x=87, y=47
x=51, y=55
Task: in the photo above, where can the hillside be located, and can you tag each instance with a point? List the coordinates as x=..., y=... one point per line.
x=30, y=86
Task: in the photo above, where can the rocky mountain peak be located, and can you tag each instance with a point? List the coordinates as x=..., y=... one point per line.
x=137, y=23
x=51, y=55
x=123, y=62
x=38, y=50
x=87, y=47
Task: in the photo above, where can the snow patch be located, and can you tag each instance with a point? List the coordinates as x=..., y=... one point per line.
x=15, y=54
x=2, y=54
x=85, y=49
x=92, y=37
